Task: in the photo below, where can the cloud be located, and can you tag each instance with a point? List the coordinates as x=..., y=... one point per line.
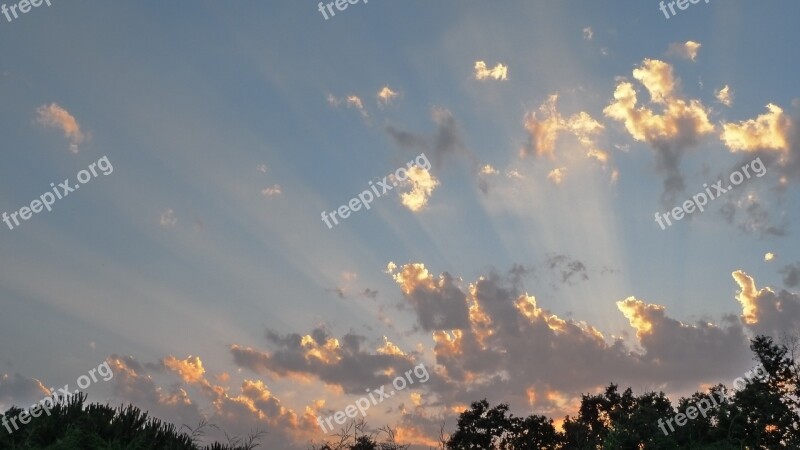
x=438, y=303
x=725, y=96
x=687, y=50
x=769, y=256
x=588, y=34
x=190, y=369
x=272, y=191
x=557, y=175
x=344, y=362
x=499, y=72
x=262, y=168
x=493, y=338
x=421, y=185
x=20, y=391
x=354, y=101
x=386, y=95
x=791, y=275
x=545, y=127
x=680, y=126
x=768, y=131
x=489, y=336
x=484, y=174
x=55, y=116
x=487, y=169
x=168, y=219
x=567, y=267
x=764, y=311
x=254, y=407
x=351, y=101
x=333, y=101
x=446, y=141
x=749, y=214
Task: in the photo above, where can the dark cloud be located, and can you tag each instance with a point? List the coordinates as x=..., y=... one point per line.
x=370, y=293
x=569, y=269
x=791, y=275
x=445, y=142
x=751, y=216
x=345, y=362
x=17, y=390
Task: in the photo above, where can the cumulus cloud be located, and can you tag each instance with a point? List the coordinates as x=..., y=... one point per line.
x=680, y=126
x=557, y=175
x=438, y=303
x=493, y=338
x=490, y=339
x=725, y=95
x=769, y=256
x=588, y=34
x=487, y=169
x=55, y=116
x=769, y=131
x=253, y=407
x=386, y=95
x=347, y=362
x=687, y=50
x=499, y=72
x=545, y=126
x=420, y=184
x=763, y=310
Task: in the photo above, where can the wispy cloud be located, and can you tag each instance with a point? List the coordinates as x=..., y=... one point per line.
x=55, y=116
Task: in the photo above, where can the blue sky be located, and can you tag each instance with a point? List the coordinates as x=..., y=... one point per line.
x=231, y=127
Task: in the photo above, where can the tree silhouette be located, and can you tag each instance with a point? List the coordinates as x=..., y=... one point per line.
x=74, y=425
x=762, y=413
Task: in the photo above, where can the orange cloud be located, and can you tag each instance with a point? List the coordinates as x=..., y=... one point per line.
x=55, y=116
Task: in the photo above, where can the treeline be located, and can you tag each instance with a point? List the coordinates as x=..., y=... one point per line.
x=73, y=424
x=759, y=414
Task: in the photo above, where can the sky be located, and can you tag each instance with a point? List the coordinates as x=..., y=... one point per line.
x=515, y=253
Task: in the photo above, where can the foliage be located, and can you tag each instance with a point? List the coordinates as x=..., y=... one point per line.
x=763, y=414
x=74, y=425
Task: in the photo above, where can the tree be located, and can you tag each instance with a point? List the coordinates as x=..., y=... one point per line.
x=481, y=427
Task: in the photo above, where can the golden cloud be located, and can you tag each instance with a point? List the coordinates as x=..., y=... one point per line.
x=768, y=131
x=422, y=184
x=499, y=72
